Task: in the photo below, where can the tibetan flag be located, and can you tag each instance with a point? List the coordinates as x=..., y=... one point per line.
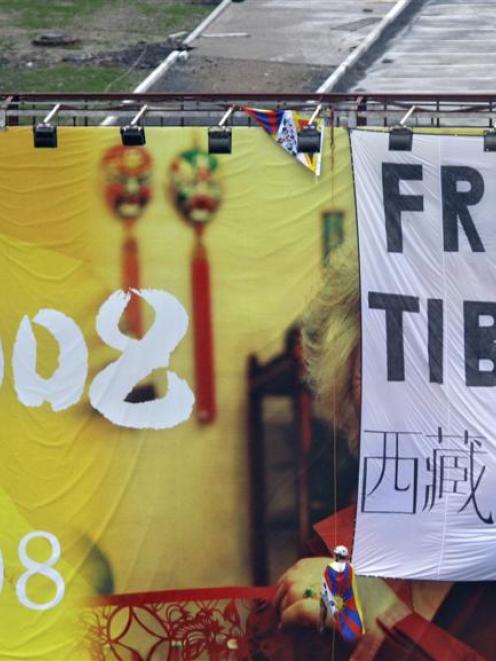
x=269, y=120
x=340, y=596
x=283, y=127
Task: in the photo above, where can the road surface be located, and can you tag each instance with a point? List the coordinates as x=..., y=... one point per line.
x=447, y=46
x=274, y=46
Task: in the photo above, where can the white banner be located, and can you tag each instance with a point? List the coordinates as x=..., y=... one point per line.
x=427, y=245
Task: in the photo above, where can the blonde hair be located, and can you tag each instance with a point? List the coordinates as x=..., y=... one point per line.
x=331, y=338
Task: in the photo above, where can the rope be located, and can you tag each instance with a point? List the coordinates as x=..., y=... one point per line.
x=334, y=450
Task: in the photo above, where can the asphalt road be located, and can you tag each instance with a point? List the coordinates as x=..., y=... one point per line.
x=274, y=46
x=447, y=46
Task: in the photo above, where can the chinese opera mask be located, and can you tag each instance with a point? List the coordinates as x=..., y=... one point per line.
x=127, y=188
x=193, y=185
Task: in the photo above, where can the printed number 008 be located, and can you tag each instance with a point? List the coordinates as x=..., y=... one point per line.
x=34, y=567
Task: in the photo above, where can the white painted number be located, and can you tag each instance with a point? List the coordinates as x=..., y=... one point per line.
x=42, y=568
x=111, y=386
x=139, y=358
x=65, y=387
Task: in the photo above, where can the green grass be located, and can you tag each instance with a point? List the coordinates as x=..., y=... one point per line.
x=55, y=14
x=46, y=14
x=68, y=78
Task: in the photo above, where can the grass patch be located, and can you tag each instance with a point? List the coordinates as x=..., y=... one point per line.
x=69, y=78
x=56, y=14
x=47, y=14
x=166, y=17
x=100, y=25
x=175, y=16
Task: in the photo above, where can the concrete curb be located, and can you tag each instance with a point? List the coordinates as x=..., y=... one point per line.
x=157, y=73
x=370, y=41
x=151, y=79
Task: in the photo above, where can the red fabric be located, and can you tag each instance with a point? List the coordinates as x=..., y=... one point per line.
x=413, y=637
x=467, y=617
x=182, y=595
x=337, y=529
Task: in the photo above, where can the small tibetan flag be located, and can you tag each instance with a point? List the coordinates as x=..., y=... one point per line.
x=283, y=127
x=340, y=596
x=269, y=120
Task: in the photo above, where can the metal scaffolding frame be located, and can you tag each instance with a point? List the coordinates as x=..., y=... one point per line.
x=339, y=109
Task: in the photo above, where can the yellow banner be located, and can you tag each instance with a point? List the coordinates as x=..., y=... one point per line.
x=166, y=463
x=121, y=508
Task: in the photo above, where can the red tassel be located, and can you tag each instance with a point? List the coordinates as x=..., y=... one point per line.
x=202, y=332
x=131, y=280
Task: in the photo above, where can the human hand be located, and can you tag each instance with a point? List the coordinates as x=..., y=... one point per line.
x=303, y=578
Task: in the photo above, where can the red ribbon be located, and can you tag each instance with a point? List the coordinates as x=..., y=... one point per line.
x=202, y=331
x=131, y=280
